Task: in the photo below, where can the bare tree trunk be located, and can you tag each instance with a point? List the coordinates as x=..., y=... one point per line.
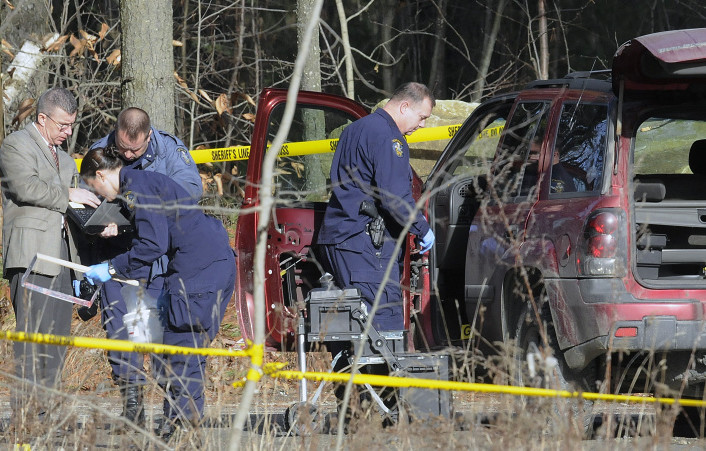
x=350, y=86
x=180, y=115
x=314, y=121
x=543, y=41
x=388, y=73
x=492, y=37
x=311, y=78
x=2, y=108
x=437, y=72
x=147, y=59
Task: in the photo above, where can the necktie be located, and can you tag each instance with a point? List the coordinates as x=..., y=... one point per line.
x=56, y=157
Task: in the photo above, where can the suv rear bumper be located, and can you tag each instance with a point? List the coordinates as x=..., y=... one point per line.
x=602, y=315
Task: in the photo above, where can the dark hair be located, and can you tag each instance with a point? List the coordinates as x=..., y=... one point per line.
x=133, y=122
x=55, y=98
x=413, y=92
x=99, y=159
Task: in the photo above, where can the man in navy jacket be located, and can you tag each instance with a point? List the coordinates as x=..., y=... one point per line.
x=371, y=163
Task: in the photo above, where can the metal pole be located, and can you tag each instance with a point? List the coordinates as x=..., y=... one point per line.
x=301, y=355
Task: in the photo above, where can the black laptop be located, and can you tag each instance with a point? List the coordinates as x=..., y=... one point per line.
x=93, y=220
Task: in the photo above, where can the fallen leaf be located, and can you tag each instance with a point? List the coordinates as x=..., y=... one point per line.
x=25, y=109
x=58, y=44
x=222, y=105
x=247, y=98
x=9, y=5
x=114, y=57
x=176, y=43
x=299, y=167
x=249, y=116
x=79, y=46
x=182, y=83
x=88, y=37
x=205, y=95
x=179, y=80
x=104, y=30
x=6, y=46
x=26, y=103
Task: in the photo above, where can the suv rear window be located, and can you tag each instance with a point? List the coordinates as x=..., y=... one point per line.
x=663, y=144
x=672, y=151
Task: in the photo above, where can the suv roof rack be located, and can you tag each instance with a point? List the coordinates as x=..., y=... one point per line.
x=602, y=74
x=574, y=81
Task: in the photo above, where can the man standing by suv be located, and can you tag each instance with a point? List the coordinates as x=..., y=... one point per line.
x=371, y=164
x=142, y=147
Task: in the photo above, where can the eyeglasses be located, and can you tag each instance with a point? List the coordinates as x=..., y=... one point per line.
x=62, y=127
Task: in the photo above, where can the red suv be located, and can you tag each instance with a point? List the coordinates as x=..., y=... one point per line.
x=569, y=216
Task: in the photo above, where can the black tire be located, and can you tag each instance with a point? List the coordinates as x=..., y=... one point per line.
x=529, y=340
x=529, y=334
x=303, y=419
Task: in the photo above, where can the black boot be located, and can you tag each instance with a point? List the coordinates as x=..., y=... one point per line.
x=167, y=429
x=133, y=408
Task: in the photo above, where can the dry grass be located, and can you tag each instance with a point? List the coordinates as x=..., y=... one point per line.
x=87, y=412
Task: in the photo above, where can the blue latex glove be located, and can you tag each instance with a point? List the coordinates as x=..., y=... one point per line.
x=427, y=242
x=77, y=287
x=98, y=273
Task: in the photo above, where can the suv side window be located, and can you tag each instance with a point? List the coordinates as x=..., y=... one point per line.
x=579, y=151
x=516, y=161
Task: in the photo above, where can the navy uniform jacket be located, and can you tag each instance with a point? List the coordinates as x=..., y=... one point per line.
x=168, y=222
x=167, y=155
x=371, y=163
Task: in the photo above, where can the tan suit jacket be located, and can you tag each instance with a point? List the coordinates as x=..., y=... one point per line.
x=35, y=196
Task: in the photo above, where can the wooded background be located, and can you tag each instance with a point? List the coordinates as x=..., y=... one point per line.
x=113, y=54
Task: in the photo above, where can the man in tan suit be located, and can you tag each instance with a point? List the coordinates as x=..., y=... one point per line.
x=36, y=190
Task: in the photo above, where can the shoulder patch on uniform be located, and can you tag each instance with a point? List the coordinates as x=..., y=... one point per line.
x=130, y=199
x=185, y=155
x=398, y=148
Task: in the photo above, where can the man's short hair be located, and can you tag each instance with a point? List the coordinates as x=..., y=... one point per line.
x=413, y=92
x=55, y=98
x=133, y=122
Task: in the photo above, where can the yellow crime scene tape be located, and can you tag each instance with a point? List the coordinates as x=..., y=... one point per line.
x=239, y=153
x=256, y=354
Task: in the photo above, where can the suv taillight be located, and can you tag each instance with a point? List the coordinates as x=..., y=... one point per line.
x=602, y=253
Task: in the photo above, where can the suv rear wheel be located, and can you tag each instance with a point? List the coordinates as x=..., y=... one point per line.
x=539, y=363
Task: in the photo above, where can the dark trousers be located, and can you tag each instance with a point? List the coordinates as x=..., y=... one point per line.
x=192, y=320
x=357, y=263
x=40, y=364
x=126, y=367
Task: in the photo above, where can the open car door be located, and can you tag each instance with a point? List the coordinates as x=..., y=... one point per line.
x=301, y=188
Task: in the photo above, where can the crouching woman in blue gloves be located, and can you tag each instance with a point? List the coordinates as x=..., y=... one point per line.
x=199, y=280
